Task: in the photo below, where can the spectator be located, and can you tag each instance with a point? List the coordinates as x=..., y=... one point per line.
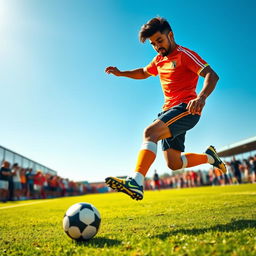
x=23, y=181
x=62, y=187
x=156, y=181
x=199, y=180
x=251, y=170
x=193, y=176
x=5, y=177
x=214, y=178
x=183, y=180
x=30, y=183
x=65, y=190
x=47, y=186
x=245, y=167
x=53, y=186
x=39, y=180
x=43, y=184
x=254, y=168
x=16, y=170
x=188, y=178
x=235, y=164
x=229, y=175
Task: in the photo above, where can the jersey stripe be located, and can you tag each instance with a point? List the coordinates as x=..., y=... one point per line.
x=199, y=71
x=193, y=57
x=177, y=118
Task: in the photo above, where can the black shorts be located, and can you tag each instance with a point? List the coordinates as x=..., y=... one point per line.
x=179, y=121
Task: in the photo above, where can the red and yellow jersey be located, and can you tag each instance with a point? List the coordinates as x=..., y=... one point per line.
x=178, y=72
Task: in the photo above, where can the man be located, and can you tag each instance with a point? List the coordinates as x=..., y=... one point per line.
x=5, y=178
x=178, y=69
x=16, y=191
x=236, y=165
x=254, y=168
x=156, y=180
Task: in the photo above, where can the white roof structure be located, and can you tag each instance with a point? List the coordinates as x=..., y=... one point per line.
x=239, y=147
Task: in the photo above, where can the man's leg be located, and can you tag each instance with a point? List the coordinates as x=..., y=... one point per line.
x=176, y=160
x=147, y=154
x=171, y=128
x=173, y=158
x=159, y=130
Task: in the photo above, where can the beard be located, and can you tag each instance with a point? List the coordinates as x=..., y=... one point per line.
x=164, y=52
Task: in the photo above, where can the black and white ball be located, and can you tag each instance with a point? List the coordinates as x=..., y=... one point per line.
x=81, y=221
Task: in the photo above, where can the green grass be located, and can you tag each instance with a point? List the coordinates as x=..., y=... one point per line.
x=197, y=221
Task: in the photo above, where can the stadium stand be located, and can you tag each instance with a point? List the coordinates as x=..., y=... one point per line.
x=240, y=147
x=22, y=178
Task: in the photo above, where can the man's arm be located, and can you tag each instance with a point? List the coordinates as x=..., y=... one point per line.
x=135, y=74
x=195, y=106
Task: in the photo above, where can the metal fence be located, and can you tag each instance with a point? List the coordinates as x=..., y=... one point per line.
x=24, y=162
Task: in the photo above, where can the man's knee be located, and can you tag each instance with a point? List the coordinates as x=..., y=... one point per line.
x=149, y=133
x=174, y=166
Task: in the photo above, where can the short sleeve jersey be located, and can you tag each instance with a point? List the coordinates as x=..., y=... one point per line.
x=178, y=72
x=5, y=177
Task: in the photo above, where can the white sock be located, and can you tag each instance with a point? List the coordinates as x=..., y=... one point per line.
x=139, y=178
x=210, y=159
x=149, y=145
x=184, y=161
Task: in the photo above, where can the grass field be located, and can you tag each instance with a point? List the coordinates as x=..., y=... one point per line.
x=197, y=221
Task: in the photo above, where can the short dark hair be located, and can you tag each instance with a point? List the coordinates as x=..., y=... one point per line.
x=153, y=26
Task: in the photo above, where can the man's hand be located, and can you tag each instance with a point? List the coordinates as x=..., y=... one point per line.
x=196, y=105
x=113, y=70
x=138, y=73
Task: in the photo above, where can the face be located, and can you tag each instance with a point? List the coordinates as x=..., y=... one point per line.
x=6, y=164
x=162, y=43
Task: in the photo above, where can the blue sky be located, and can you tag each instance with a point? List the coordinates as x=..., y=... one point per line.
x=59, y=108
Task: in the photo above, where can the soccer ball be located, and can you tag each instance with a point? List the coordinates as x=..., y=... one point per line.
x=81, y=221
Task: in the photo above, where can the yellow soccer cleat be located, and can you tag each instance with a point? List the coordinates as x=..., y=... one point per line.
x=218, y=163
x=128, y=186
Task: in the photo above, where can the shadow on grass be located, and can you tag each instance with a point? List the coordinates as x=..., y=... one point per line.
x=229, y=227
x=99, y=242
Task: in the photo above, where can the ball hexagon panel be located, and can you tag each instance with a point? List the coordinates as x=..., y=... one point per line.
x=75, y=222
x=65, y=223
x=87, y=216
x=74, y=232
x=73, y=209
x=89, y=232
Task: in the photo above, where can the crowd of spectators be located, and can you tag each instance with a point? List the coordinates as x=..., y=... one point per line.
x=238, y=171
x=17, y=183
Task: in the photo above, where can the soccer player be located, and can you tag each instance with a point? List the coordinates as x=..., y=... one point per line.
x=179, y=69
